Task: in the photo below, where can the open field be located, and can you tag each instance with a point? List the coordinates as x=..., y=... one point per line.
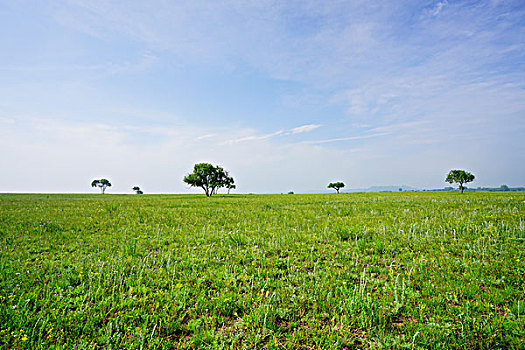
x=388, y=270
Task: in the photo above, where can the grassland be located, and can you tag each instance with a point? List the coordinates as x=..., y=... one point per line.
x=390, y=270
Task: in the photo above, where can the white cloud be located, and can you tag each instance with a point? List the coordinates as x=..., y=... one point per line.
x=350, y=138
x=141, y=63
x=391, y=128
x=304, y=128
x=293, y=131
x=7, y=120
x=253, y=137
x=438, y=7
x=207, y=136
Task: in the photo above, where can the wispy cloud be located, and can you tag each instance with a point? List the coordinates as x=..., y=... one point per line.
x=339, y=139
x=396, y=127
x=297, y=130
x=207, y=136
x=304, y=128
x=253, y=137
x=142, y=63
x=7, y=120
x=437, y=8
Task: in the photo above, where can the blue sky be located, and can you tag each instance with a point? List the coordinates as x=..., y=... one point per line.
x=287, y=95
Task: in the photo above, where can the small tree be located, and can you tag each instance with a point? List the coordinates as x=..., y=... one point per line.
x=459, y=176
x=336, y=185
x=137, y=190
x=102, y=183
x=210, y=178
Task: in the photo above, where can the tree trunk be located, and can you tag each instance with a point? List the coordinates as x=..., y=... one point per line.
x=461, y=188
x=337, y=190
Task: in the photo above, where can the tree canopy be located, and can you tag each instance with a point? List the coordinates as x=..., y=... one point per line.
x=336, y=185
x=209, y=177
x=137, y=190
x=460, y=177
x=102, y=183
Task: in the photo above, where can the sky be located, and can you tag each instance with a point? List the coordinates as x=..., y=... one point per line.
x=286, y=95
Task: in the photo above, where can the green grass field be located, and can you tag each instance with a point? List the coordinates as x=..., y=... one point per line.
x=383, y=270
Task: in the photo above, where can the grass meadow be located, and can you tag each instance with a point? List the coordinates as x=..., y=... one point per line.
x=333, y=271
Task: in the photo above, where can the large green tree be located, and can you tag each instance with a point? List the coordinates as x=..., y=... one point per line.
x=336, y=185
x=208, y=177
x=102, y=183
x=460, y=177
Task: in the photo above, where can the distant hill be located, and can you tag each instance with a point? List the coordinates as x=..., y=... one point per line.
x=385, y=189
x=502, y=188
x=370, y=189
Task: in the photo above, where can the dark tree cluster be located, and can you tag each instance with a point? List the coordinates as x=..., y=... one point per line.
x=210, y=178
